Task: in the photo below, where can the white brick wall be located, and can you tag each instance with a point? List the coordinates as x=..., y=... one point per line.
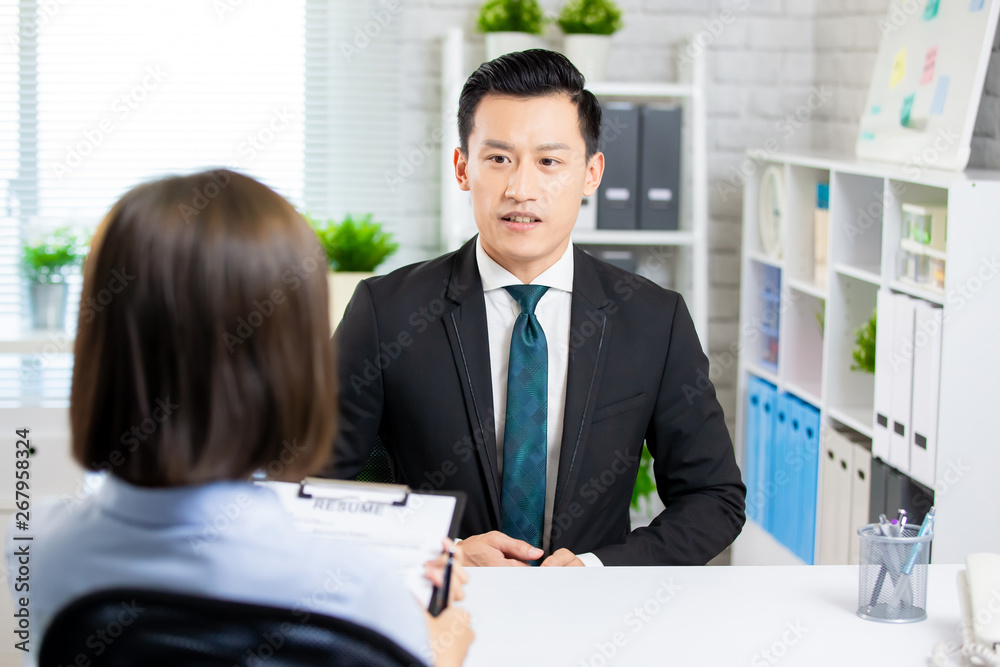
x=847, y=39
x=765, y=59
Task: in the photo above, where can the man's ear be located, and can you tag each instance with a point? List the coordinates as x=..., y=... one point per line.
x=461, y=162
x=595, y=171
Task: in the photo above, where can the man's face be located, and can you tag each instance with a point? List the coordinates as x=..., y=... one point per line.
x=527, y=172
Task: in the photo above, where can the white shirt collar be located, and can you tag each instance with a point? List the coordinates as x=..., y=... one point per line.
x=558, y=276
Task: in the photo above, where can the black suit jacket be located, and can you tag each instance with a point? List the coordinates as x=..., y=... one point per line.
x=414, y=371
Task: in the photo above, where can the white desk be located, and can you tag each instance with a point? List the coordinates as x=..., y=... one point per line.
x=704, y=616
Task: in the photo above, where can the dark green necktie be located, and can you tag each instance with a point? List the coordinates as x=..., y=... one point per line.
x=524, y=440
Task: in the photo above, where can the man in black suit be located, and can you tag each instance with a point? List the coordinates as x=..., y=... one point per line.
x=528, y=374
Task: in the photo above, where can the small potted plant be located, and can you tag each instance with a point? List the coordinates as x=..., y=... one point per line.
x=354, y=249
x=864, y=346
x=588, y=26
x=510, y=25
x=646, y=502
x=46, y=261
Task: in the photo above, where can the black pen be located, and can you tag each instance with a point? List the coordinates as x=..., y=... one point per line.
x=439, y=596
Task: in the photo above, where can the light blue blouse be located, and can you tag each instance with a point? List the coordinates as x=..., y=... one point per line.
x=228, y=540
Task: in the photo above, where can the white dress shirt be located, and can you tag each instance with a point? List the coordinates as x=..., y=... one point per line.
x=226, y=540
x=553, y=312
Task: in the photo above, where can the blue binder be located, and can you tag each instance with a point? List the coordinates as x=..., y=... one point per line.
x=751, y=448
x=795, y=461
x=810, y=439
x=783, y=475
x=765, y=437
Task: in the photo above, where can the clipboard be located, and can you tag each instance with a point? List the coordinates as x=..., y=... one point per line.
x=397, y=495
x=403, y=526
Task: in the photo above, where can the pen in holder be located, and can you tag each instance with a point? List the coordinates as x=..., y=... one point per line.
x=892, y=583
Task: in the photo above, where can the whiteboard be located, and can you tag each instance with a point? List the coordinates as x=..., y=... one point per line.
x=927, y=82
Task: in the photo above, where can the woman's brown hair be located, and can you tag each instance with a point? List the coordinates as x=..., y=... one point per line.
x=203, y=346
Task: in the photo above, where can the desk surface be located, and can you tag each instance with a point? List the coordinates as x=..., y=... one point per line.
x=756, y=616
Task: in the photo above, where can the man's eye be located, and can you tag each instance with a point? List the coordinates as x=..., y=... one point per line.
x=498, y=158
x=549, y=162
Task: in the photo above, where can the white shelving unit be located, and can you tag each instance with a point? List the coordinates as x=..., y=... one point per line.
x=814, y=364
x=687, y=247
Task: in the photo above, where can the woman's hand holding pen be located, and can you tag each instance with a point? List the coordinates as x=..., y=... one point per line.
x=450, y=631
x=434, y=571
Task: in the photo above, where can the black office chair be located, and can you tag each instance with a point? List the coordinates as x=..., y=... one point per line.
x=129, y=628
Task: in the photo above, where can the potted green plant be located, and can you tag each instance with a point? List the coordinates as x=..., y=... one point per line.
x=510, y=25
x=46, y=261
x=645, y=499
x=588, y=26
x=354, y=249
x=864, y=346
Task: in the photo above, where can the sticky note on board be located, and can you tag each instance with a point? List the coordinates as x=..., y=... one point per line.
x=940, y=95
x=929, y=61
x=877, y=109
x=931, y=10
x=975, y=5
x=898, y=68
x=906, y=110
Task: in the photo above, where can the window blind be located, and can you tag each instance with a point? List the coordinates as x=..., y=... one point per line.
x=98, y=96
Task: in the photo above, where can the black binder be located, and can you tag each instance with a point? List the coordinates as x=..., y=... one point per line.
x=660, y=168
x=616, y=207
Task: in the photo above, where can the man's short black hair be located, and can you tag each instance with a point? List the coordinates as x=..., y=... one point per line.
x=531, y=73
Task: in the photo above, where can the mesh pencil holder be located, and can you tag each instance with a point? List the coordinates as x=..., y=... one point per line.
x=892, y=582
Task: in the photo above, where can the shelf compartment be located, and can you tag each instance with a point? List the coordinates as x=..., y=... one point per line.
x=763, y=373
x=903, y=254
x=800, y=231
x=868, y=273
x=856, y=418
x=917, y=291
x=857, y=214
x=802, y=345
x=764, y=315
x=663, y=265
x=850, y=394
x=807, y=288
x=752, y=241
x=761, y=258
x=809, y=395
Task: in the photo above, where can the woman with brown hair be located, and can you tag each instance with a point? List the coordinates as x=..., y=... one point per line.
x=203, y=355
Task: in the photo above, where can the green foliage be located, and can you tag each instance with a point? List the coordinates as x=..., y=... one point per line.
x=354, y=244
x=821, y=322
x=645, y=485
x=590, y=17
x=50, y=258
x=511, y=16
x=864, y=346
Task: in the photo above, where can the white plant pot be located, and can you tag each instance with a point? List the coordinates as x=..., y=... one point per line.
x=342, y=285
x=48, y=305
x=499, y=43
x=589, y=53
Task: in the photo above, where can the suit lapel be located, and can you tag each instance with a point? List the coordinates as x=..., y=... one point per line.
x=590, y=329
x=468, y=335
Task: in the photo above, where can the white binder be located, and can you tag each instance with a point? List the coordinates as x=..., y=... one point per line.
x=902, y=382
x=883, y=375
x=861, y=487
x=834, y=520
x=926, y=385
